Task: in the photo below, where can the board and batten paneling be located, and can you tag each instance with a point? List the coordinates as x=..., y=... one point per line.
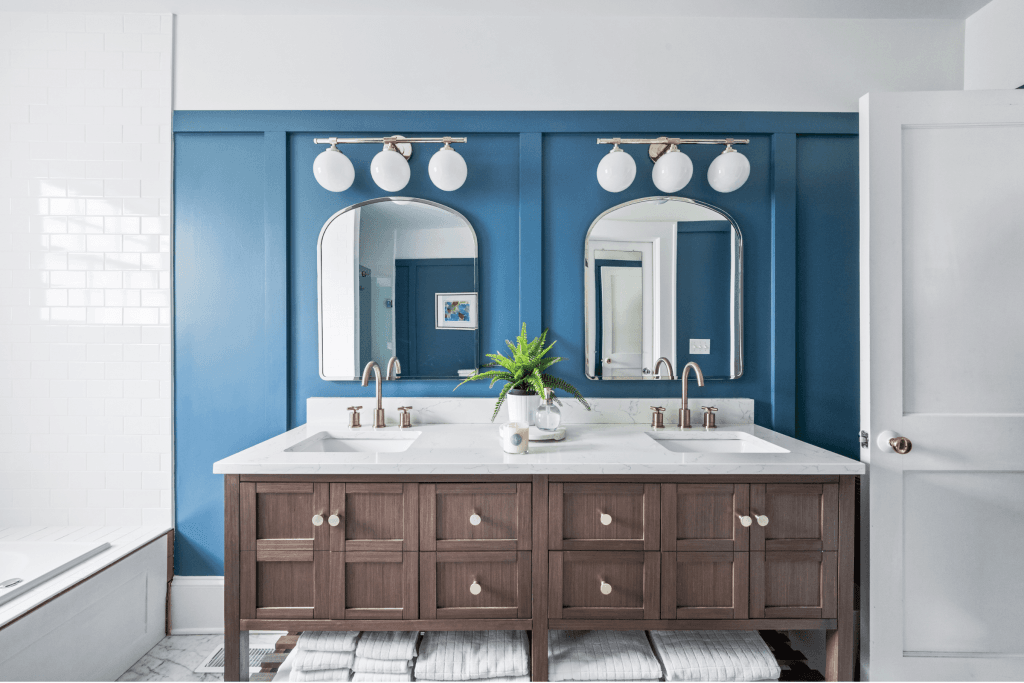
x=248, y=212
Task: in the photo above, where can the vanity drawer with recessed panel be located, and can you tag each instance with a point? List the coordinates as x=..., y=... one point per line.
x=705, y=517
x=374, y=517
x=476, y=585
x=475, y=517
x=604, y=516
x=604, y=585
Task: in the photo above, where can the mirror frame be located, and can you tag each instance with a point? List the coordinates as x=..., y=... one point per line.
x=735, y=289
x=319, y=279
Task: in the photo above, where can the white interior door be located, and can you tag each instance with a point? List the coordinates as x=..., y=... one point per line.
x=942, y=363
x=622, y=321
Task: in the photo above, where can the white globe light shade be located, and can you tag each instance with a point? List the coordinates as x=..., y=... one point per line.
x=616, y=171
x=390, y=170
x=672, y=171
x=729, y=171
x=333, y=170
x=447, y=169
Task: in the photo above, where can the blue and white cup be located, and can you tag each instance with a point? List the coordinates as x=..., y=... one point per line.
x=515, y=438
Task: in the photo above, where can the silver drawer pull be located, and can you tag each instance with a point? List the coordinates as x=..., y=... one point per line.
x=745, y=520
x=334, y=520
x=474, y=519
x=606, y=519
x=318, y=520
x=475, y=588
x=761, y=520
x=606, y=588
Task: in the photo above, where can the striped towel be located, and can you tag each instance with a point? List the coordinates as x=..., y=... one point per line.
x=314, y=660
x=395, y=645
x=601, y=656
x=714, y=656
x=328, y=641
x=382, y=678
x=321, y=675
x=365, y=665
x=472, y=655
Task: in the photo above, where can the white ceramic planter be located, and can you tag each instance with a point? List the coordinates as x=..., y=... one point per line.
x=522, y=407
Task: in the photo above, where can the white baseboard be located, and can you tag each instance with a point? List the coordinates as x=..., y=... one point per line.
x=197, y=605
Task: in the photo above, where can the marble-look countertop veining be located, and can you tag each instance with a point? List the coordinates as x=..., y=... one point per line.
x=449, y=449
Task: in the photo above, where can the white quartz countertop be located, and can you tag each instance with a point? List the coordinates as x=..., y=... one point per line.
x=449, y=449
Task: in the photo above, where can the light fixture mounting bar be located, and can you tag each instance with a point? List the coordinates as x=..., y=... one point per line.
x=394, y=140
x=671, y=141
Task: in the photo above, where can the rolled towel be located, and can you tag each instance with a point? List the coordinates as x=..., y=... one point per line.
x=382, y=678
x=499, y=679
x=322, y=675
x=714, y=656
x=601, y=656
x=366, y=665
x=472, y=655
x=394, y=645
x=328, y=641
x=315, y=660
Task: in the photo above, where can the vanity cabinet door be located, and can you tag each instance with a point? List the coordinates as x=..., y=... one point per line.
x=604, y=516
x=374, y=585
x=793, y=584
x=284, y=569
x=704, y=517
x=478, y=585
x=603, y=585
x=794, y=517
x=374, y=517
x=704, y=585
x=474, y=517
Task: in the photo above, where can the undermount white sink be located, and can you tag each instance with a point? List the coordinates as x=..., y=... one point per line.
x=357, y=442
x=713, y=442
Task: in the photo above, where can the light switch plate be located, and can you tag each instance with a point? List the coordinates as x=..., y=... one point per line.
x=700, y=346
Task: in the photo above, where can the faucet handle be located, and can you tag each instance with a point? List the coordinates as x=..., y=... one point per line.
x=657, y=417
x=353, y=419
x=403, y=421
x=709, y=416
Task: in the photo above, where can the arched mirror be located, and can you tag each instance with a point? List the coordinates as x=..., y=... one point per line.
x=398, y=277
x=663, y=277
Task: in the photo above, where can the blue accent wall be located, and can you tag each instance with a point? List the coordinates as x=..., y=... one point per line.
x=248, y=212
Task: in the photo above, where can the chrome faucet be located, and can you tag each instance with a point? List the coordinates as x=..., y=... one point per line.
x=684, y=412
x=393, y=367
x=666, y=361
x=378, y=414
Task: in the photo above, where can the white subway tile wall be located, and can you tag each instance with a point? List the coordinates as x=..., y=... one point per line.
x=85, y=269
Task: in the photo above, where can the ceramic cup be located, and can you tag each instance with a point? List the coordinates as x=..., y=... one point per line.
x=515, y=438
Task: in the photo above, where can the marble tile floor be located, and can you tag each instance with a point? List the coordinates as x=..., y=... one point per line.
x=175, y=657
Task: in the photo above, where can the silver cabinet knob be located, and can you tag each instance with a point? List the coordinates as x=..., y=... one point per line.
x=606, y=588
x=334, y=520
x=475, y=588
x=318, y=520
x=474, y=519
x=606, y=519
x=761, y=520
x=745, y=520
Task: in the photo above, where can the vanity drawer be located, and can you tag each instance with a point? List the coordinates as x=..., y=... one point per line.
x=704, y=585
x=604, y=585
x=477, y=585
x=475, y=517
x=604, y=516
x=795, y=516
x=374, y=585
x=793, y=584
x=705, y=517
x=374, y=517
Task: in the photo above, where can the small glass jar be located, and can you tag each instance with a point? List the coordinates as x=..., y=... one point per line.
x=548, y=416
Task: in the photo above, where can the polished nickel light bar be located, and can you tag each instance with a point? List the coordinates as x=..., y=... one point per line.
x=671, y=141
x=392, y=140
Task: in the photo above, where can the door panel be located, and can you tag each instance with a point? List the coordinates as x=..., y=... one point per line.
x=374, y=585
x=704, y=585
x=793, y=584
x=375, y=517
x=604, y=516
x=704, y=517
x=800, y=516
x=502, y=578
x=576, y=578
x=502, y=512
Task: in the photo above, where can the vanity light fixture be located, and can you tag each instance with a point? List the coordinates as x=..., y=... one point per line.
x=672, y=168
x=390, y=167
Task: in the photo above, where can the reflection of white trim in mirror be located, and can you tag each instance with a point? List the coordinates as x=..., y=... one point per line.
x=338, y=294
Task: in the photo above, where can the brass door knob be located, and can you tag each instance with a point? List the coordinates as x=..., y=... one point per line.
x=606, y=588
x=475, y=519
x=745, y=520
x=761, y=520
x=606, y=519
x=475, y=588
x=318, y=520
x=901, y=444
x=334, y=520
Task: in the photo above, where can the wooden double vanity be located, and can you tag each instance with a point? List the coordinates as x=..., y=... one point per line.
x=539, y=550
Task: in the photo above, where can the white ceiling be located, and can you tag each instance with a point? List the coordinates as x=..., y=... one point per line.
x=810, y=9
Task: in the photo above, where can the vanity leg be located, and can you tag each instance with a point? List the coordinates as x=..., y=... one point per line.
x=236, y=642
x=539, y=635
x=839, y=643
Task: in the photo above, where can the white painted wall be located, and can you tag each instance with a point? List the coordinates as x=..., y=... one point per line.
x=574, y=62
x=994, y=46
x=85, y=281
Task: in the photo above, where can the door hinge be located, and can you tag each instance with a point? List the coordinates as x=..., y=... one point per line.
x=863, y=439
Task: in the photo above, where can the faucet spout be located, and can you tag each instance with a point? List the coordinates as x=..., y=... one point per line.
x=684, y=412
x=394, y=368
x=667, y=362
x=378, y=414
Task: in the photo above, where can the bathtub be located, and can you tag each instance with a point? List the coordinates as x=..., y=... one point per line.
x=26, y=564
